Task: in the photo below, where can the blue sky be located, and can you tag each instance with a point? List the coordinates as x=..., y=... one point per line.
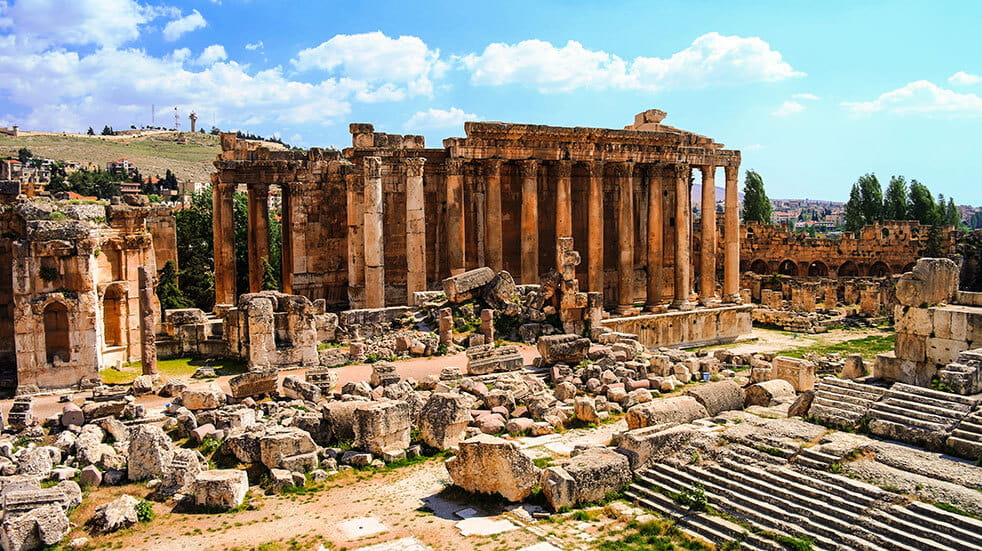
x=814, y=94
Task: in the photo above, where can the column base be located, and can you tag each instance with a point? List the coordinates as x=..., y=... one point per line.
x=682, y=305
x=710, y=301
x=655, y=308
x=625, y=310
x=734, y=299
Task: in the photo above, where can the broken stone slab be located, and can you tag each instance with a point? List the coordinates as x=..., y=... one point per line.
x=487, y=358
x=384, y=374
x=220, y=488
x=468, y=285
x=325, y=379
x=443, y=420
x=853, y=368
x=288, y=448
x=117, y=514
x=800, y=373
x=71, y=414
x=492, y=465
x=677, y=409
x=769, y=393
x=718, y=397
x=589, y=476
x=644, y=446
x=570, y=349
x=150, y=453
x=296, y=388
x=42, y=527
x=382, y=426
x=254, y=383
x=210, y=397
x=932, y=281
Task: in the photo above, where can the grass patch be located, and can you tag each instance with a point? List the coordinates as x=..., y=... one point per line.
x=956, y=510
x=868, y=347
x=659, y=535
x=795, y=543
x=177, y=368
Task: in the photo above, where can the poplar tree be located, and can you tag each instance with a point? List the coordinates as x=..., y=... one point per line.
x=756, y=205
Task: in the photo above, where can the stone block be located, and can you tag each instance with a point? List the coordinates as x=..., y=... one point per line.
x=944, y=351
x=296, y=388
x=718, y=397
x=468, y=285
x=220, y=488
x=800, y=373
x=589, y=476
x=911, y=347
x=485, y=359
x=254, y=383
x=288, y=448
x=569, y=349
x=677, y=409
x=443, y=420
x=770, y=393
x=643, y=446
x=150, y=453
x=491, y=465
x=210, y=397
x=382, y=426
x=932, y=281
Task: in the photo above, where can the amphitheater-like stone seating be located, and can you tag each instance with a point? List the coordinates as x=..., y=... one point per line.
x=966, y=439
x=841, y=403
x=919, y=416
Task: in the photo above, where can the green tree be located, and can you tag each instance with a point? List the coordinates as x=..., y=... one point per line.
x=756, y=205
x=870, y=198
x=854, y=210
x=895, y=201
x=270, y=282
x=932, y=247
x=922, y=207
x=975, y=222
x=90, y=132
x=951, y=216
x=168, y=292
x=108, y=131
x=194, y=250
x=24, y=154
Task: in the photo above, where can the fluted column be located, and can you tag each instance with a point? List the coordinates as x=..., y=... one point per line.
x=595, y=228
x=491, y=169
x=624, y=172
x=564, y=204
x=415, y=228
x=656, y=265
x=356, y=240
x=289, y=236
x=258, y=234
x=731, y=269
x=707, y=260
x=456, y=239
x=223, y=235
x=374, y=247
x=683, y=212
x=529, y=170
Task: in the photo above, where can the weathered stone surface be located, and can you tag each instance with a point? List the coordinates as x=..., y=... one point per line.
x=384, y=374
x=468, y=285
x=587, y=477
x=220, y=488
x=71, y=414
x=569, y=349
x=117, y=514
x=932, y=281
x=288, y=448
x=487, y=358
x=35, y=461
x=801, y=405
x=800, y=373
x=488, y=464
x=965, y=375
x=585, y=409
x=210, y=397
x=678, y=409
x=770, y=393
x=645, y=445
x=443, y=420
x=150, y=453
x=381, y=427
x=44, y=526
x=854, y=368
x=296, y=388
x=718, y=397
x=254, y=383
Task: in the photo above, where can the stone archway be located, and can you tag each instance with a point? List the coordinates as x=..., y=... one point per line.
x=56, y=342
x=848, y=269
x=818, y=268
x=113, y=316
x=879, y=269
x=758, y=267
x=788, y=268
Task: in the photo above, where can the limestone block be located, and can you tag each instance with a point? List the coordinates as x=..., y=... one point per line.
x=210, y=397
x=854, y=367
x=488, y=358
x=911, y=347
x=891, y=368
x=587, y=477
x=150, y=453
x=382, y=426
x=384, y=374
x=800, y=373
x=677, y=409
x=643, y=446
x=71, y=414
x=296, y=388
x=468, y=285
x=443, y=420
x=492, y=465
x=932, y=281
x=220, y=488
x=40, y=528
x=914, y=321
x=944, y=351
x=288, y=448
x=770, y=393
x=115, y=515
x=718, y=397
x=501, y=293
x=254, y=383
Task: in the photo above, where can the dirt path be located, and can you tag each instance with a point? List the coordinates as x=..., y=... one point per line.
x=770, y=340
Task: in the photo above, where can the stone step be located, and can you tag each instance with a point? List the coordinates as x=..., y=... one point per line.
x=811, y=463
x=746, y=454
x=818, y=455
x=969, y=449
x=835, y=401
x=910, y=422
x=809, y=486
x=847, y=388
x=969, y=427
x=929, y=415
x=963, y=523
x=932, y=409
x=842, y=486
x=935, y=395
x=903, y=520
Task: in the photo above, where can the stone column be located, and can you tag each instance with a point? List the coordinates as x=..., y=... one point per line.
x=707, y=260
x=491, y=168
x=415, y=228
x=258, y=234
x=223, y=233
x=374, y=247
x=148, y=317
x=529, y=170
x=624, y=172
x=656, y=272
x=731, y=267
x=682, y=244
x=595, y=229
x=289, y=236
x=356, y=240
x=456, y=240
x=564, y=202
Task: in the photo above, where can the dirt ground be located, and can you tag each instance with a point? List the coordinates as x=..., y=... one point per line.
x=770, y=340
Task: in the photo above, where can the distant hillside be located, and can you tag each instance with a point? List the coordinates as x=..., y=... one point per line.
x=188, y=155
x=720, y=194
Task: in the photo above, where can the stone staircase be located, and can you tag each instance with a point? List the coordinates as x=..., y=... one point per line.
x=770, y=501
x=815, y=459
x=966, y=440
x=843, y=403
x=919, y=416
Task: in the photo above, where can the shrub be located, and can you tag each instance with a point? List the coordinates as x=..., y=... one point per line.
x=144, y=511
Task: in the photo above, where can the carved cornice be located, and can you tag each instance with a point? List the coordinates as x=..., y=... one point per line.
x=414, y=166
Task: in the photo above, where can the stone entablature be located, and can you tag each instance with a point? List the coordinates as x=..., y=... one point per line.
x=880, y=250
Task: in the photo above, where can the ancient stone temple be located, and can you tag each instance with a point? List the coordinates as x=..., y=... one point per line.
x=388, y=217
x=69, y=286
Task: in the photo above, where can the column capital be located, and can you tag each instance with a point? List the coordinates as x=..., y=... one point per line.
x=682, y=170
x=491, y=167
x=732, y=172
x=414, y=166
x=622, y=169
x=528, y=168
x=564, y=169
x=373, y=167
x=707, y=170
x=596, y=168
x=455, y=167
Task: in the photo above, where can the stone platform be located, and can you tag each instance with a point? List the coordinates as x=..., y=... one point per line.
x=686, y=329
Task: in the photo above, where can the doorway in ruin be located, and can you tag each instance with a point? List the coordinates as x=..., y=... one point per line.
x=758, y=267
x=56, y=333
x=788, y=268
x=879, y=269
x=113, y=314
x=848, y=269
x=818, y=268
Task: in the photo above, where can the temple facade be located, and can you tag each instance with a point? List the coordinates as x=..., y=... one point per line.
x=370, y=226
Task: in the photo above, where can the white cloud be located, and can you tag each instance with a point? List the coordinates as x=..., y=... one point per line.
x=711, y=59
x=374, y=57
x=254, y=46
x=212, y=54
x=178, y=27
x=921, y=98
x=964, y=79
x=38, y=24
x=439, y=118
x=788, y=108
x=754, y=147
x=811, y=97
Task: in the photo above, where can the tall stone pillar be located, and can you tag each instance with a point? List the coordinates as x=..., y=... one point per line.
x=289, y=235
x=707, y=260
x=415, y=228
x=258, y=234
x=595, y=229
x=148, y=317
x=656, y=265
x=564, y=204
x=223, y=235
x=731, y=230
x=624, y=172
x=529, y=170
x=456, y=239
x=491, y=169
x=683, y=212
x=356, y=240
x=374, y=247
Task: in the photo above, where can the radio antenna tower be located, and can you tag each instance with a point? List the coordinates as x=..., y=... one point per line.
x=177, y=120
